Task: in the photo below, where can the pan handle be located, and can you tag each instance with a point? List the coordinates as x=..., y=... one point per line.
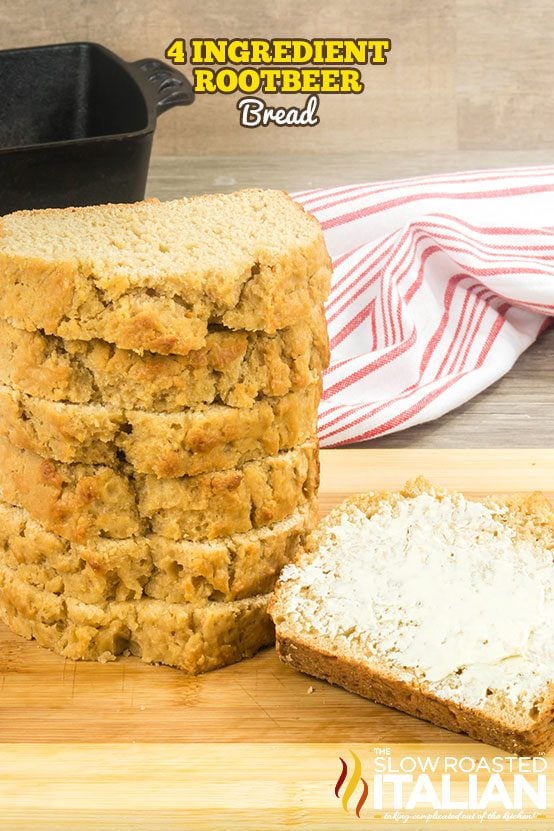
x=168, y=86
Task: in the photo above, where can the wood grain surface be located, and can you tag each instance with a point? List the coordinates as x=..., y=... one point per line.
x=137, y=748
x=215, y=787
x=45, y=698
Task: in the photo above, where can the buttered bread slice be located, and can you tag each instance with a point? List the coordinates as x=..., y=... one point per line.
x=435, y=604
x=153, y=275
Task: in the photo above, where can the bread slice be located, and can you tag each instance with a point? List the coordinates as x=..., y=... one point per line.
x=234, y=368
x=80, y=502
x=153, y=275
x=163, y=444
x=102, y=570
x=194, y=638
x=439, y=606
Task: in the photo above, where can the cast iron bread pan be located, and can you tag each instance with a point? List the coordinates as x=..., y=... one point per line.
x=77, y=124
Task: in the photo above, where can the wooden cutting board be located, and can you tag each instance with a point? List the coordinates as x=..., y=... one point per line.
x=46, y=698
x=57, y=704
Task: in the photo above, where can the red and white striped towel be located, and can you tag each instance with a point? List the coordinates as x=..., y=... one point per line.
x=440, y=283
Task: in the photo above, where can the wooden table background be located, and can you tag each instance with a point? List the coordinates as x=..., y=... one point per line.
x=514, y=412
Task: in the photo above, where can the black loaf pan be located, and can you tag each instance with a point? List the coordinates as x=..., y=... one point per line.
x=77, y=124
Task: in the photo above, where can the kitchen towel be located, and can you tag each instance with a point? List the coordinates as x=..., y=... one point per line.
x=440, y=283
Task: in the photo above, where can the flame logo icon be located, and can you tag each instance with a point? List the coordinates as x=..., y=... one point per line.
x=351, y=784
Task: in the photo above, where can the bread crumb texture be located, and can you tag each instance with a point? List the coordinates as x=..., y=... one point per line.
x=84, y=502
x=192, y=637
x=154, y=275
x=167, y=445
x=234, y=368
x=178, y=571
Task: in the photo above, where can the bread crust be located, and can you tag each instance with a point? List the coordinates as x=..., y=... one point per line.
x=103, y=570
x=192, y=638
x=234, y=368
x=166, y=445
x=382, y=687
x=254, y=287
x=532, y=517
x=81, y=502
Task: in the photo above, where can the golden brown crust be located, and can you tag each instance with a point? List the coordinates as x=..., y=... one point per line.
x=234, y=368
x=255, y=288
x=193, y=638
x=81, y=502
x=164, y=444
x=526, y=733
x=181, y=571
x=384, y=688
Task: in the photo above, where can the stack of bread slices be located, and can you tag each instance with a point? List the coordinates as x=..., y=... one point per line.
x=160, y=372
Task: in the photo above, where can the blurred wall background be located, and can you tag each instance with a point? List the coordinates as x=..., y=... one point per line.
x=463, y=75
